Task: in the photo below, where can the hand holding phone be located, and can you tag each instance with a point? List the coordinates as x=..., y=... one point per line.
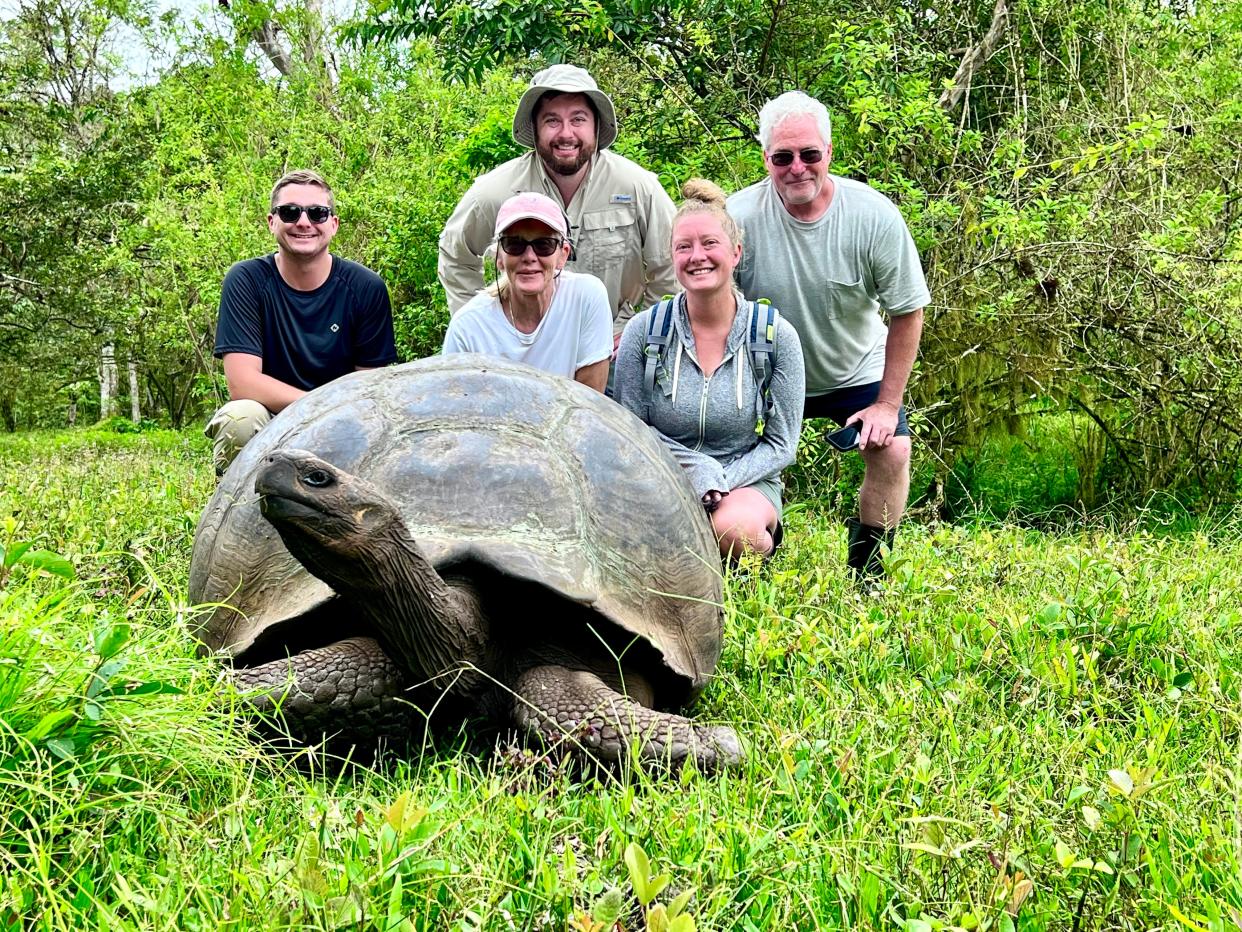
x=845, y=438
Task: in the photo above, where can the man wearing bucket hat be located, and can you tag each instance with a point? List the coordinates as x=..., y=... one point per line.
x=620, y=218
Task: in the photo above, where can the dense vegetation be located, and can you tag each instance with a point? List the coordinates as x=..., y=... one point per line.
x=1069, y=171
x=1035, y=726
x=1025, y=731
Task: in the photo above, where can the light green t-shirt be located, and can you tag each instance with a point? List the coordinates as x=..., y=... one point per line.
x=831, y=277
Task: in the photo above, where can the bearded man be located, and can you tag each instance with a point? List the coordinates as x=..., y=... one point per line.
x=620, y=218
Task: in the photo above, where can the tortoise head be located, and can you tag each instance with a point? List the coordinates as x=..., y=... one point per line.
x=330, y=521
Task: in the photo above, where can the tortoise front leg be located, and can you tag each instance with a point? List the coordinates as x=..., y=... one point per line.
x=556, y=702
x=350, y=687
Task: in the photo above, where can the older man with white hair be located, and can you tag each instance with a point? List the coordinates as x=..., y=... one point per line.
x=832, y=253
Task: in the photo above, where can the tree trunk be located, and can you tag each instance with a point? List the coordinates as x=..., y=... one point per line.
x=72, y=416
x=315, y=51
x=267, y=35
x=107, y=381
x=7, y=414
x=135, y=396
x=280, y=46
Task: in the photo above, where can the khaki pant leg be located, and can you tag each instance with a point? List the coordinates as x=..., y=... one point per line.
x=231, y=428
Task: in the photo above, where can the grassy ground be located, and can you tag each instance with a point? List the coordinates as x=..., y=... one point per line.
x=1025, y=731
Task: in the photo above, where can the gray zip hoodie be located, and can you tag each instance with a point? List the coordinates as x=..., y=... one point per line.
x=709, y=423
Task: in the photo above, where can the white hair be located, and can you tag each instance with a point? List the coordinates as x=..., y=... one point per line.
x=789, y=105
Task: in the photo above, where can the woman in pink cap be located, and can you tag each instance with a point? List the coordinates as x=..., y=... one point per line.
x=536, y=312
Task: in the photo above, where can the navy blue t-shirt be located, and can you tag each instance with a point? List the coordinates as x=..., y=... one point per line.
x=306, y=338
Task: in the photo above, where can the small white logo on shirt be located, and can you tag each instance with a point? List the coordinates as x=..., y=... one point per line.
x=335, y=327
x=622, y=199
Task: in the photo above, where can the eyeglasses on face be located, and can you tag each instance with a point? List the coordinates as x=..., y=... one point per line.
x=290, y=213
x=544, y=246
x=783, y=158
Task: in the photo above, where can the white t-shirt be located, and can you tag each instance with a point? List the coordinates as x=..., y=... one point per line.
x=575, y=332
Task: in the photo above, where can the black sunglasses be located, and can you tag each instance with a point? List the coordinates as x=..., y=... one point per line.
x=783, y=158
x=544, y=246
x=289, y=213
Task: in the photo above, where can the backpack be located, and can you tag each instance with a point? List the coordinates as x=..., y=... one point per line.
x=760, y=342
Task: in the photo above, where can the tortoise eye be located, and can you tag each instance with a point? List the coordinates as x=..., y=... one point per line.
x=317, y=478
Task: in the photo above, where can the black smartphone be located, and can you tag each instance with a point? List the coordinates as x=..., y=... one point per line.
x=845, y=438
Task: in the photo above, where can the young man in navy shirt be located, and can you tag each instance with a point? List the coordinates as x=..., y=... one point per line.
x=295, y=319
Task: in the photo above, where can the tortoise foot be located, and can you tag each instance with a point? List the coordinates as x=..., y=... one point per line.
x=560, y=704
x=350, y=691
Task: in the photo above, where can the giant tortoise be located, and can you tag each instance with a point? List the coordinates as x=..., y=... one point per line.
x=470, y=529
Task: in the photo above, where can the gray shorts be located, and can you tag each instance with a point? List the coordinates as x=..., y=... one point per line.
x=770, y=488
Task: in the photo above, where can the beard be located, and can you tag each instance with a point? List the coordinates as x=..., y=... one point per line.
x=562, y=166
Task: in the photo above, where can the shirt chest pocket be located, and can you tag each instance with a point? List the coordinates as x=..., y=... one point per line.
x=849, y=298
x=605, y=237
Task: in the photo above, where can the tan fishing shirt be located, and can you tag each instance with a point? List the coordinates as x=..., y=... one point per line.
x=620, y=221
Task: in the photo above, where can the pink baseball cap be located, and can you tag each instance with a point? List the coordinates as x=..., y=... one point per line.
x=532, y=206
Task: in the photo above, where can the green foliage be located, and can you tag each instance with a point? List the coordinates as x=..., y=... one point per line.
x=23, y=552
x=123, y=425
x=1030, y=476
x=1074, y=208
x=657, y=916
x=1025, y=730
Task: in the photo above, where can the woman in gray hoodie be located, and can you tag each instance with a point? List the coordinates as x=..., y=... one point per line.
x=726, y=402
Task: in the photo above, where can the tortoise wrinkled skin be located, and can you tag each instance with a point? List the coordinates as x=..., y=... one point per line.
x=539, y=492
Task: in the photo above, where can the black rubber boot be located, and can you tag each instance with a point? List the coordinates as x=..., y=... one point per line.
x=865, y=558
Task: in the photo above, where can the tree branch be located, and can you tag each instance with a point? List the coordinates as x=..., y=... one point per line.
x=267, y=36
x=975, y=57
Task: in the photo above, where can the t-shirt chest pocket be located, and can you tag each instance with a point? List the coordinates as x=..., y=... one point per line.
x=848, y=295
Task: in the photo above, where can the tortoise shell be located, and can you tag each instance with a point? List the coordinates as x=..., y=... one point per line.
x=493, y=464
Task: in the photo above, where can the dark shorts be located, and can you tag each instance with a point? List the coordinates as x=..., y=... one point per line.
x=843, y=402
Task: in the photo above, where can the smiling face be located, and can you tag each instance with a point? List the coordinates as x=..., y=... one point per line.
x=804, y=189
x=565, y=133
x=303, y=240
x=531, y=276
x=703, y=256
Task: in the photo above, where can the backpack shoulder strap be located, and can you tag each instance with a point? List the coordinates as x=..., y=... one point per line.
x=659, y=332
x=760, y=342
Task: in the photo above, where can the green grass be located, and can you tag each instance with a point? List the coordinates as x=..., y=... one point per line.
x=1025, y=730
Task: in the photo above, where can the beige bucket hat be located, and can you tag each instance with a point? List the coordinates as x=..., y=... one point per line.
x=569, y=79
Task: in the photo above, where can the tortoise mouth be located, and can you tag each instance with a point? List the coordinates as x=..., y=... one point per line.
x=295, y=484
x=279, y=506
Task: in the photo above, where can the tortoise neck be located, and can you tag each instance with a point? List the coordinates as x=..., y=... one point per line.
x=431, y=627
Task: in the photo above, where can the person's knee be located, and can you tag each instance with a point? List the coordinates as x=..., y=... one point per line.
x=232, y=427
x=734, y=542
x=238, y=421
x=893, y=459
x=741, y=530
